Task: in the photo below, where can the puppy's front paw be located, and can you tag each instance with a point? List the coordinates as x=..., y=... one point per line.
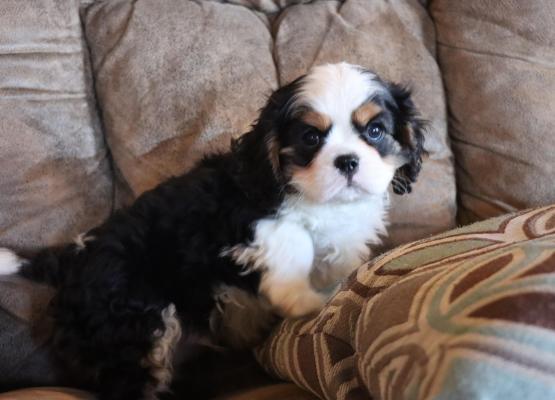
x=292, y=298
x=301, y=304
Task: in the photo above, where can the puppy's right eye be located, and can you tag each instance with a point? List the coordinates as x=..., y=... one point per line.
x=375, y=132
x=311, y=138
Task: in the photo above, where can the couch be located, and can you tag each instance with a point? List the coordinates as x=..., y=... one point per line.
x=102, y=99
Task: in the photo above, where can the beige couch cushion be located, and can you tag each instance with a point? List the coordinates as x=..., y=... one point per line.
x=55, y=179
x=498, y=61
x=177, y=79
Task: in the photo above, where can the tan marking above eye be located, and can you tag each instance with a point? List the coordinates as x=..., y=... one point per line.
x=320, y=121
x=367, y=111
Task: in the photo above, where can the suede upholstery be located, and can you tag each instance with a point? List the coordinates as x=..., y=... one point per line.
x=55, y=177
x=397, y=41
x=171, y=85
x=497, y=61
x=177, y=80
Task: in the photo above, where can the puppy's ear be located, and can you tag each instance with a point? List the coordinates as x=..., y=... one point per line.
x=257, y=151
x=409, y=132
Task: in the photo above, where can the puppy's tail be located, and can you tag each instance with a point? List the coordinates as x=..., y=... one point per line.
x=44, y=267
x=10, y=263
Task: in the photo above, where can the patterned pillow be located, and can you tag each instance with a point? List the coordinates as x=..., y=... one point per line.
x=464, y=315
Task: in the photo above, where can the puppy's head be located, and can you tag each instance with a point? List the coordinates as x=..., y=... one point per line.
x=337, y=133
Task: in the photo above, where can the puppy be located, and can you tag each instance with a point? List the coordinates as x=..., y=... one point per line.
x=264, y=229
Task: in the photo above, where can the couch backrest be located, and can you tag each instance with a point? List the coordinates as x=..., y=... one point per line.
x=97, y=109
x=498, y=65
x=55, y=175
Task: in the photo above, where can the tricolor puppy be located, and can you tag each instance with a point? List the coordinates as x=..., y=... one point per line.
x=264, y=229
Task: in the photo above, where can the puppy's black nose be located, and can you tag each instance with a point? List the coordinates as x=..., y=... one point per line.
x=347, y=164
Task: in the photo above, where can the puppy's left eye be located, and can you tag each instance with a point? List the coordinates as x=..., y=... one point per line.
x=375, y=131
x=311, y=138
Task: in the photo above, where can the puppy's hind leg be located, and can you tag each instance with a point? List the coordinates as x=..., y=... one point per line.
x=160, y=359
x=118, y=345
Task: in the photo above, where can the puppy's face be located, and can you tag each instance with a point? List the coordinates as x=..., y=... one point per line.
x=340, y=133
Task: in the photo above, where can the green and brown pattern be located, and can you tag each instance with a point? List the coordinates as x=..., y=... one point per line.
x=468, y=314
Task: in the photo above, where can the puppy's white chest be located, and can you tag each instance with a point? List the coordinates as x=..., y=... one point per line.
x=340, y=233
x=319, y=242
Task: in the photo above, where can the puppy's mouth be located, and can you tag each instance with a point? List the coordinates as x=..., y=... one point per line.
x=351, y=189
x=354, y=185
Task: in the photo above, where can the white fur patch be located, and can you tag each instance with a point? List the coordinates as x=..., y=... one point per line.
x=284, y=252
x=336, y=90
x=160, y=359
x=341, y=233
x=9, y=262
x=309, y=247
x=276, y=242
x=81, y=241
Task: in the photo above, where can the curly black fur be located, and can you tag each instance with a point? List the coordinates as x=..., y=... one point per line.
x=163, y=249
